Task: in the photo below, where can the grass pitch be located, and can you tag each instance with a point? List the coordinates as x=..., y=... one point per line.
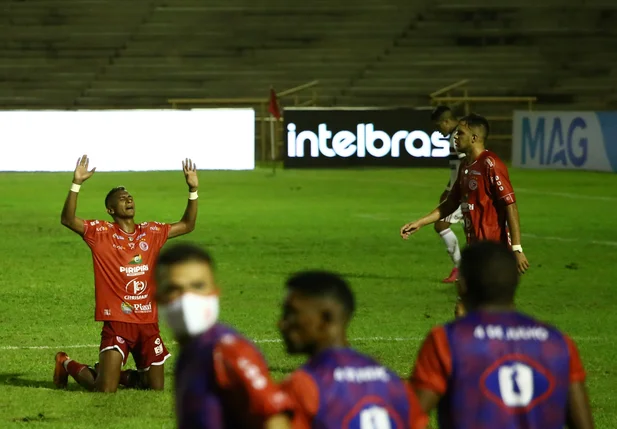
x=261, y=228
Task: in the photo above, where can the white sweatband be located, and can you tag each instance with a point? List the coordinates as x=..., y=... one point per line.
x=193, y=195
x=75, y=187
x=517, y=248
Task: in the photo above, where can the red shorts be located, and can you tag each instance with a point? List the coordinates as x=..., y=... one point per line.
x=143, y=341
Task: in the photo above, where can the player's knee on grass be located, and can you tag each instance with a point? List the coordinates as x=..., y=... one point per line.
x=154, y=378
x=108, y=376
x=441, y=226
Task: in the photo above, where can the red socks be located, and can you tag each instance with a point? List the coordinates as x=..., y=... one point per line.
x=74, y=368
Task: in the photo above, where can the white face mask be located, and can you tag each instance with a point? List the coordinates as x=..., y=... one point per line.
x=191, y=314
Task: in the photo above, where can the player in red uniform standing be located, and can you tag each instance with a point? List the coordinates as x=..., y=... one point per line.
x=497, y=367
x=221, y=379
x=484, y=192
x=338, y=387
x=124, y=255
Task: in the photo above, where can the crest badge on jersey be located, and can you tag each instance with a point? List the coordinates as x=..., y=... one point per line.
x=143, y=246
x=473, y=185
x=517, y=383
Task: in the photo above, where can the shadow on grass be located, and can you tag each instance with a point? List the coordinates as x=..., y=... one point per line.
x=13, y=379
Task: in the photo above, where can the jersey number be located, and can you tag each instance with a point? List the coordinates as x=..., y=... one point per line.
x=516, y=384
x=375, y=418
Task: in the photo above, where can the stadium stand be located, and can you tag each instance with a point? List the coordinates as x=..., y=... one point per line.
x=95, y=53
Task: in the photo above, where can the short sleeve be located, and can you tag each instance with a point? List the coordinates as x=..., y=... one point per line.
x=303, y=391
x=577, y=372
x=499, y=180
x=159, y=231
x=92, y=231
x=239, y=365
x=434, y=364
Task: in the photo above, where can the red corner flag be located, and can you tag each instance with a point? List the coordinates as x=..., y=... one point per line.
x=273, y=108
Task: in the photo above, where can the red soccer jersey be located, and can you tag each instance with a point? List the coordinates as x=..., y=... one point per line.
x=483, y=187
x=123, y=269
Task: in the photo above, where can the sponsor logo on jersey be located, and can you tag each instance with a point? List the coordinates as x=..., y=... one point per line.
x=136, y=270
x=473, y=185
x=137, y=259
x=126, y=308
x=361, y=375
x=101, y=228
x=142, y=308
x=94, y=222
x=475, y=173
x=118, y=237
x=136, y=290
x=466, y=207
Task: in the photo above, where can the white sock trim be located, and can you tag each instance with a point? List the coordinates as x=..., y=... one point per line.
x=66, y=363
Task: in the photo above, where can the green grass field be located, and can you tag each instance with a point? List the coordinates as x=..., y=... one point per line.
x=261, y=228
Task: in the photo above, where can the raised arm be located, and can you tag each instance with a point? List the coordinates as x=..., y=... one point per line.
x=68, y=217
x=187, y=223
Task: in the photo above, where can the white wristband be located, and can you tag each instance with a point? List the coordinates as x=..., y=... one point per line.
x=517, y=248
x=75, y=187
x=193, y=195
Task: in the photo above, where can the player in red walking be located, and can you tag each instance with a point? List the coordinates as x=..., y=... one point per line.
x=445, y=122
x=484, y=192
x=221, y=379
x=123, y=254
x=338, y=387
x=497, y=367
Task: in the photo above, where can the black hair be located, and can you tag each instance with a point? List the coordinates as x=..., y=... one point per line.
x=490, y=271
x=324, y=284
x=111, y=193
x=441, y=112
x=476, y=121
x=181, y=253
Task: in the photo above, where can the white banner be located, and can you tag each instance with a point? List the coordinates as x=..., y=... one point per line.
x=127, y=140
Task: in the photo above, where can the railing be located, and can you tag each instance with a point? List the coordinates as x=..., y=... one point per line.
x=262, y=119
x=504, y=122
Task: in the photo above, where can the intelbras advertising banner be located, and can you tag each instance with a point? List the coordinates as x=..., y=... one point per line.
x=565, y=140
x=128, y=140
x=354, y=137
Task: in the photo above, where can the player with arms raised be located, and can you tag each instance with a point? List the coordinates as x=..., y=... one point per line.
x=338, y=388
x=497, y=367
x=445, y=122
x=484, y=192
x=221, y=378
x=124, y=255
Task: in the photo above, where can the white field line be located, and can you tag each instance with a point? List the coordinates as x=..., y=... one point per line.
x=276, y=340
x=384, y=217
x=416, y=184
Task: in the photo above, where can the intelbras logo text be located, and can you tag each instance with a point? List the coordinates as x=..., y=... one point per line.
x=366, y=141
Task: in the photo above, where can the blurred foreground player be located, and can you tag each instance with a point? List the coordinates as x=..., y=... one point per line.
x=124, y=254
x=338, y=387
x=484, y=192
x=496, y=367
x=445, y=122
x=221, y=379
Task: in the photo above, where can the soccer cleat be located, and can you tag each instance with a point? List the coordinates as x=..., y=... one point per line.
x=453, y=277
x=61, y=376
